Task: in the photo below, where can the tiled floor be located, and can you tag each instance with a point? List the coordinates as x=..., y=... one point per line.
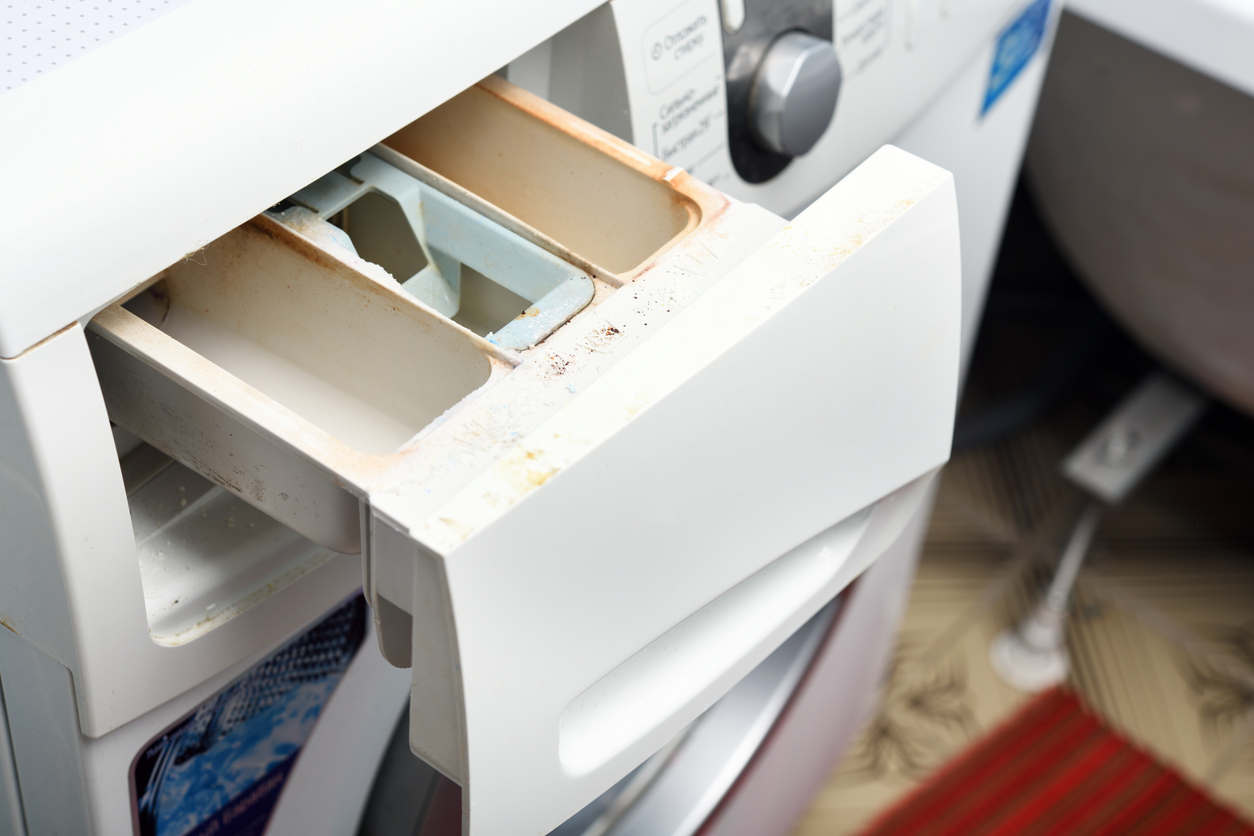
x=1162, y=635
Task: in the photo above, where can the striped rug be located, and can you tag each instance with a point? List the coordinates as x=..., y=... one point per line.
x=1053, y=768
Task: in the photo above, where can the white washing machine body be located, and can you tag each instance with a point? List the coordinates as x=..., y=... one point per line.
x=130, y=652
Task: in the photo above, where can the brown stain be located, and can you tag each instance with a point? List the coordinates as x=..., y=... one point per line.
x=536, y=479
x=531, y=471
x=459, y=528
x=558, y=364
x=4, y=622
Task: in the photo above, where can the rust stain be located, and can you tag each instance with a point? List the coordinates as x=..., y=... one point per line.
x=538, y=478
x=558, y=364
x=459, y=528
x=531, y=470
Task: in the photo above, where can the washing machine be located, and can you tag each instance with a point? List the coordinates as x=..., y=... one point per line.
x=1140, y=163
x=343, y=380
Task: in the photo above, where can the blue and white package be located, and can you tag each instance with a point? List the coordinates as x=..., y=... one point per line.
x=1016, y=45
x=219, y=770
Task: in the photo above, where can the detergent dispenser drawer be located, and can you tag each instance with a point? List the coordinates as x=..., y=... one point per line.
x=603, y=436
x=665, y=488
x=283, y=375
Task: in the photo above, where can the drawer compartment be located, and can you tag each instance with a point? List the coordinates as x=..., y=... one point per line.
x=611, y=206
x=283, y=374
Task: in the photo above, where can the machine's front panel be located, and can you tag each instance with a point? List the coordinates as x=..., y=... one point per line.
x=770, y=101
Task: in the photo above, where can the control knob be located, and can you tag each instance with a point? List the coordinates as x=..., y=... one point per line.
x=793, y=94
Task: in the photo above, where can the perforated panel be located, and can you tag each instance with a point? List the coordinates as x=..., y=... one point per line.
x=41, y=35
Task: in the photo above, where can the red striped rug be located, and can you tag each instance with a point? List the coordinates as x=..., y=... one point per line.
x=1051, y=769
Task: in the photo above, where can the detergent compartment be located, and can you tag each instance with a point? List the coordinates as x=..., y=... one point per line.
x=283, y=374
x=583, y=192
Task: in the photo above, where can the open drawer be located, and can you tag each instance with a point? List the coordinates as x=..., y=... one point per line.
x=580, y=540
x=283, y=375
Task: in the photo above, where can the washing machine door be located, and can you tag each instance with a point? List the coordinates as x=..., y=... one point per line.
x=673, y=793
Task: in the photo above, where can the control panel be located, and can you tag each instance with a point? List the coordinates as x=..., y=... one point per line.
x=771, y=102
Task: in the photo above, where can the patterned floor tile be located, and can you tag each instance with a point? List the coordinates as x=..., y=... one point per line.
x=1161, y=638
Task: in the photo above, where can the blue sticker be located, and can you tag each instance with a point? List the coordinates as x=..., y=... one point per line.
x=219, y=771
x=1016, y=45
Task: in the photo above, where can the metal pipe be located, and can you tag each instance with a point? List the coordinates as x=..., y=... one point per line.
x=1073, y=555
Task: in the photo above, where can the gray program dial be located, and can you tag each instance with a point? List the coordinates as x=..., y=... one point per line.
x=793, y=95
